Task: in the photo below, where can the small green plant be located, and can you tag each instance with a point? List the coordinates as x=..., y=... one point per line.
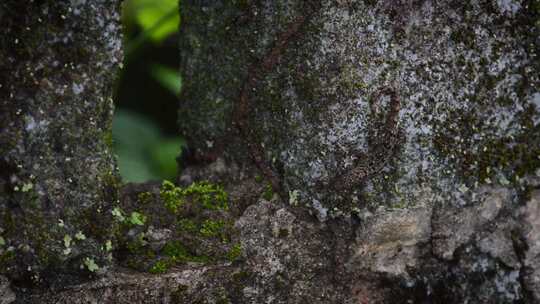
x=234, y=253
x=209, y=196
x=172, y=196
x=90, y=264
x=137, y=218
x=178, y=253
x=159, y=267
x=188, y=225
x=212, y=228
x=118, y=214
x=268, y=193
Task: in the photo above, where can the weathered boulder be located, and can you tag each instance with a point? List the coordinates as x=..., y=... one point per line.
x=412, y=126
x=57, y=175
x=400, y=141
x=383, y=101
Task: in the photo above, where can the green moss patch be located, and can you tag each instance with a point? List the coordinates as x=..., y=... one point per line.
x=173, y=225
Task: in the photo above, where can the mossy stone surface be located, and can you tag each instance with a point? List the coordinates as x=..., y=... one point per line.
x=182, y=225
x=466, y=77
x=58, y=180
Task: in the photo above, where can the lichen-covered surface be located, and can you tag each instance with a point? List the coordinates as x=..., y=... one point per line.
x=465, y=76
x=411, y=125
x=164, y=226
x=395, y=256
x=57, y=176
x=404, y=133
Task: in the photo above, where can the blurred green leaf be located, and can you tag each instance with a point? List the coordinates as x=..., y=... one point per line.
x=143, y=152
x=164, y=157
x=157, y=18
x=133, y=131
x=167, y=77
x=133, y=169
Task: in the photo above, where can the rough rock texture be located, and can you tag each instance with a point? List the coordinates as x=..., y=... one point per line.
x=412, y=124
x=531, y=259
x=357, y=152
x=390, y=257
x=387, y=101
x=6, y=294
x=57, y=176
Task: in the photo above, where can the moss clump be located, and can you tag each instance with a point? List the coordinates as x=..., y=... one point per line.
x=179, y=295
x=268, y=193
x=172, y=196
x=178, y=253
x=212, y=228
x=283, y=233
x=234, y=253
x=189, y=225
x=483, y=158
x=6, y=258
x=159, y=267
x=210, y=196
x=144, y=197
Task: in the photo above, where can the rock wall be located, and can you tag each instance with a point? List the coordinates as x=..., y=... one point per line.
x=340, y=152
x=384, y=101
x=414, y=124
x=58, y=61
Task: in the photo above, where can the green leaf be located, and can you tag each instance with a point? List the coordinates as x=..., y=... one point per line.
x=137, y=219
x=90, y=264
x=134, y=166
x=158, y=19
x=133, y=131
x=67, y=240
x=164, y=157
x=169, y=78
x=134, y=137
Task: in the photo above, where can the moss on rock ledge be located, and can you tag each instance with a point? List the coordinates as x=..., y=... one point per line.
x=182, y=225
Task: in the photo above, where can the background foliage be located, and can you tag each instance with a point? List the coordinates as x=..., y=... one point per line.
x=144, y=126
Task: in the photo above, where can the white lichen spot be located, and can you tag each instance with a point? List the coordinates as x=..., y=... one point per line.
x=535, y=99
x=509, y=6
x=30, y=123
x=77, y=88
x=322, y=212
x=509, y=285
